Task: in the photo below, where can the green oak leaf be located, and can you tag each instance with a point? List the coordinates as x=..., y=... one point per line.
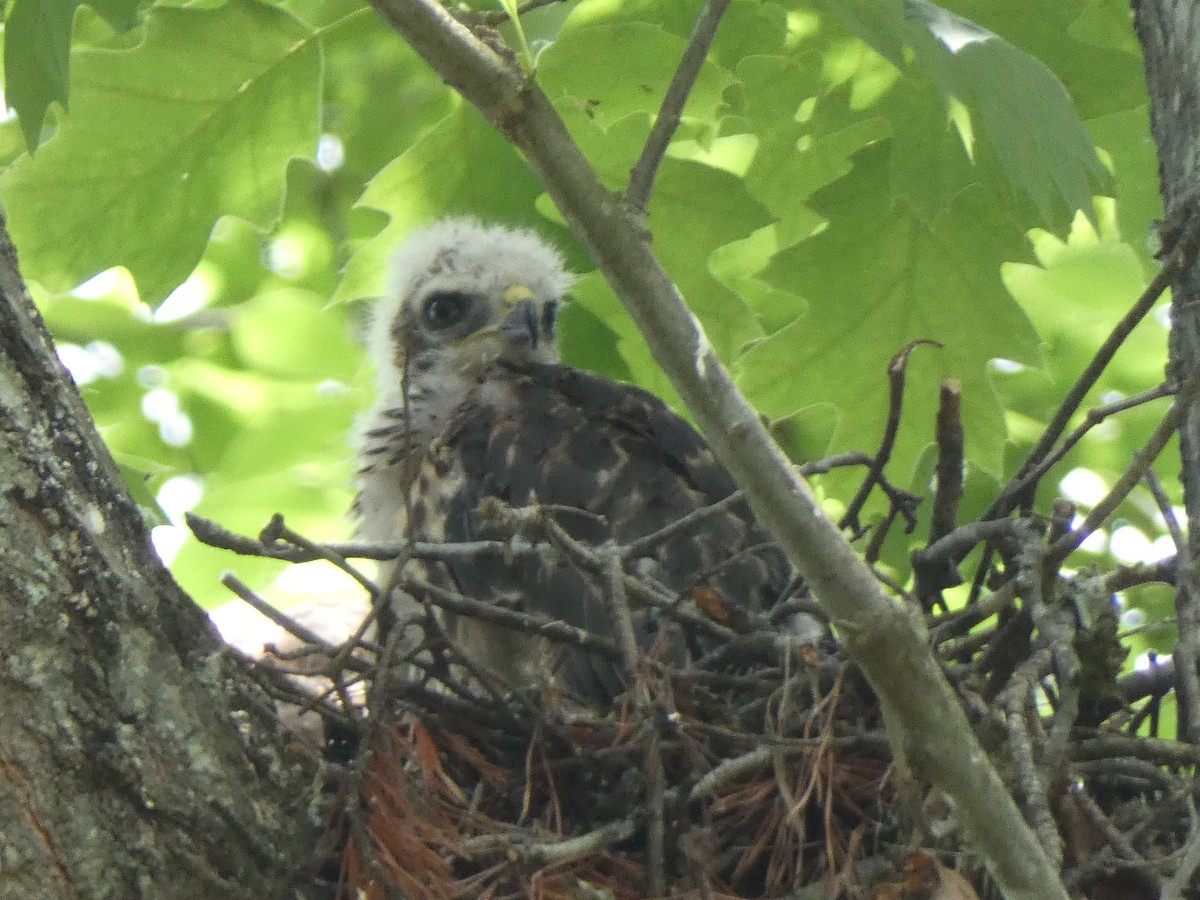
x=1017, y=110
x=1121, y=136
x=1088, y=44
x=885, y=273
x=37, y=52
x=441, y=173
x=582, y=63
x=308, y=347
x=717, y=210
x=197, y=122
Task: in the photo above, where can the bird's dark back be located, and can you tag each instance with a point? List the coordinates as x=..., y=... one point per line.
x=557, y=436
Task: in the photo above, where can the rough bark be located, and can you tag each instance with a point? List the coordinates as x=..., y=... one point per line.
x=1169, y=31
x=136, y=757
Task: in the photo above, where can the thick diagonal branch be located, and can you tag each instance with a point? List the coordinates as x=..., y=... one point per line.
x=930, y=727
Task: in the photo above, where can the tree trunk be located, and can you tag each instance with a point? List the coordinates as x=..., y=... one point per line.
x=137, y=759
x=1169, y=31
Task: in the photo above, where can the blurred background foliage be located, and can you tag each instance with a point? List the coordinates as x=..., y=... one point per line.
x=203, y=194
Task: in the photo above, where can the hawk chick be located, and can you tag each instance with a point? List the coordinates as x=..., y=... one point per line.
x=473, y=403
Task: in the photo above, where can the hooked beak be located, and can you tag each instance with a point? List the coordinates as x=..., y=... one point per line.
x=520, y=323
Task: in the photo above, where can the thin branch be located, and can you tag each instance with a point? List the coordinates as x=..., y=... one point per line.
x=641, y=178
x=547, y=852
x=277, y=531
x=1102, y=745
x=1124, y=577
x=1055, y=626
x=286, y=622
x=1142, y=461
x=1187, y=599
x=594, y=563
x=897, y=369
x=1028, y=776
x=1181, y=885
x=656, y=827
x=530, y=623
x=732, y=769
x=879, y=535
x=1021, y=486
x=343, y=655
x=646, y=543
x=959, y=542
x=1132, y=771
x=493, y=18
x=949, y=491
x=1119, y=843
x=837, y=461
x=1178, y=259
x=622, y=617
x=215, y=535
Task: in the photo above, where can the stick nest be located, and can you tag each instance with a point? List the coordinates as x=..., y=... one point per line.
x=763, y=769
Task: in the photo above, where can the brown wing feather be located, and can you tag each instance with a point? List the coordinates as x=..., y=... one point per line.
x=554, y=435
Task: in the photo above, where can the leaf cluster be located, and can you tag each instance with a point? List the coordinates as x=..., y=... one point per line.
x=848, y=176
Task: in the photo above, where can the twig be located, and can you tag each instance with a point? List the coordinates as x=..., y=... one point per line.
x=897, y=369
x=1123, y=577
x=1023, y=485
x=929, y=564
x=547, y=852
x=1132, y=772
x=1157, y=681
x=1178, y=259
x=1029, y=777
x=283, y=687
x=1062, y=514
x=530, y=623
x=435, y=703
x=492, y=18
x=286, y=622
x=731, y=769
x=1055, y=626
x=644, y=544
x=1054, y=754
x=641, y=178
x=1180, y=884
x=495, y=691
x=1108, y=745
x=1119, y=843
x=837, y=461
x=638, y=588
x=959, y=543
x=879, y=535
x=622, y=616
x=1142, y=461
x=931, y=580
x=656, y=827
x=214, y=535
x=966, y=647
x=277, y=530
x=949, y=491
x=982, y=571
x=1187, y=601
x=1163, y=502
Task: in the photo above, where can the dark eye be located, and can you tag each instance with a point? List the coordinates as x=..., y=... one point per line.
x=445, y=308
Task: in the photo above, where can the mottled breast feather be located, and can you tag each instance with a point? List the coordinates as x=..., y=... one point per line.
x=551, y=434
